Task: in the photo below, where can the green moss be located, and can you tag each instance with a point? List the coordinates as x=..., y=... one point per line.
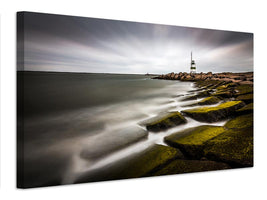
x=136, y=165
x=195, y=136
x=209, y=84
x=208, y=109
x=190, y=141
x=149, y=160
x=165, y=121
x=216, y=113
x=209, y=101
x=244, y=89
x=222, y=87
x=242, y=121
x=234, y=146
x=247, y=98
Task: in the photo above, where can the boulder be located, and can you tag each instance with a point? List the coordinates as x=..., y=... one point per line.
x=136, y=165
x=216, y=113
x=191, y=141
x=245, y=110
x=234, y=146
x=164, y=121
x=190, y=98
x=247, y=98
x=209, y=101
x=202, y=94
x=244, y=89
x=242, y=121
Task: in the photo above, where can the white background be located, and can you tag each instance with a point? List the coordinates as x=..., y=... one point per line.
x=246, y=16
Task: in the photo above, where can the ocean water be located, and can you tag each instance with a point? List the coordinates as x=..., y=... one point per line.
x=76, y=122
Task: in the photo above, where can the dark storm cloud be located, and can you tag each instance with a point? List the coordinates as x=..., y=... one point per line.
x=62, y=43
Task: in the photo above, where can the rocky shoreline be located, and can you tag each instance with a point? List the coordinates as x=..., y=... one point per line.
x=229, y=77
x=224, y=96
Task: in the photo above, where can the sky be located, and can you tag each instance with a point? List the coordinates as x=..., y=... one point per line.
x=77, y=44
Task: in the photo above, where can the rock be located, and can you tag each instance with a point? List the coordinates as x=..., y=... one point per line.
x=191, y=141
x=247, y=98
x=225, y=91
x=202, y=94
x=245, y=110
x=206, y=101
x=98, y=146
x=213, y=114
x=244, y=89
x=209, y=101
x=164, y=121
x=234, y=146
x=242, y=121
x=186, y=166
x=190, y=98
x=136, y=165
x=250, y=82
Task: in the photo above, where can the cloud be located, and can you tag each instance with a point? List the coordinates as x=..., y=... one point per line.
x=61, y=43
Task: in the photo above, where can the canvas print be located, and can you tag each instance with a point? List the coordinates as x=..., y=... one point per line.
x=101, y=99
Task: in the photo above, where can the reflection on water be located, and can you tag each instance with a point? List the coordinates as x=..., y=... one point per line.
x=74, y=123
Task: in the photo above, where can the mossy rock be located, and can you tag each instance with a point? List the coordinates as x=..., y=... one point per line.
x=247, y=98
x=209, y=101
x=234, y=146
x=191, y=141
x=208, y=84
x=226, y=86
x=187, y=166
x=244, y=89
x=134, y=166
x=245, y=110
x=202, y=94
x=221, y=87
x=242, y=121
x=227, y=93
x=189, y=98
x=205, y=93
x=216, y=85
x=165, y=121
x=216, y=113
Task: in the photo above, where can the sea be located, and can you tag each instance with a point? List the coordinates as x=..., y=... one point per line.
x=71, y=123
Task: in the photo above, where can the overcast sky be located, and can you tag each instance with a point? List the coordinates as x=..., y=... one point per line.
x=76, y=44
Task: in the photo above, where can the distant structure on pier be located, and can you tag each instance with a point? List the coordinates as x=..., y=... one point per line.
x=193, y=68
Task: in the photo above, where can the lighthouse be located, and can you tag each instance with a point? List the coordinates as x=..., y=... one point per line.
x=193, y=68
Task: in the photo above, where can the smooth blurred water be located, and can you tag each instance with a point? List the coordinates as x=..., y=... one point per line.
x=68, y=113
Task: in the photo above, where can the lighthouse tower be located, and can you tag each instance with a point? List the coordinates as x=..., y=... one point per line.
x=193, y=68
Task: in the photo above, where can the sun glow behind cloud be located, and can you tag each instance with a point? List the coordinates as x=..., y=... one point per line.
x=70, y=44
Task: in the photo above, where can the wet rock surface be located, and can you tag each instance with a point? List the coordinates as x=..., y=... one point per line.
x=202, y=148
x=191, y=141
x=214, y=114
x=164, y=121
x=137, y=165
x=234, y=146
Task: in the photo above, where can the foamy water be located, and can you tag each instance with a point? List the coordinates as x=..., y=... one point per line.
x=60, y=146
x=80, y=165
